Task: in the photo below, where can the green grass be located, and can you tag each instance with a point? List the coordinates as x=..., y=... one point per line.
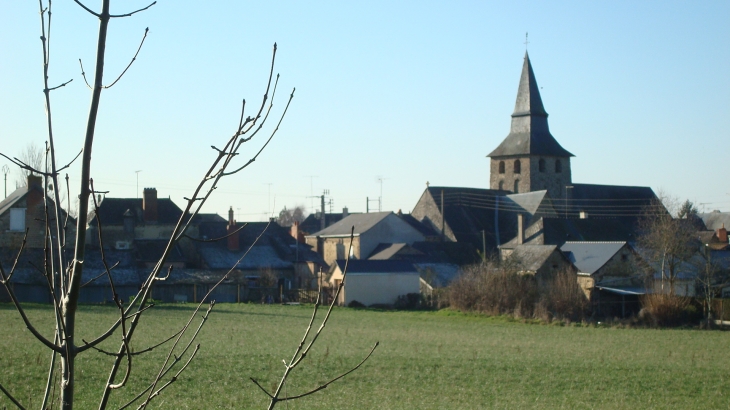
x=427, y=360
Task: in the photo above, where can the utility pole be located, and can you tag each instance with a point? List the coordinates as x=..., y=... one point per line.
x=380, y=198
x=5, y=171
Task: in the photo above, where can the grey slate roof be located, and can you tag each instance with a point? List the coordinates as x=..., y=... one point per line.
x=610, y=200
x=112, y=210
x=532, y=257
x=714, y=220
x=361, y=222
x=365, y=266
x=529, y=133
x=388, y=250
x=589, y=257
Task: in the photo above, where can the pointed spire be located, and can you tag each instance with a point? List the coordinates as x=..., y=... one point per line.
x=529, y=133
x=528, y=101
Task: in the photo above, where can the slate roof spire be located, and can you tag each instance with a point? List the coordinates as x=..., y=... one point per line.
x=529, y=133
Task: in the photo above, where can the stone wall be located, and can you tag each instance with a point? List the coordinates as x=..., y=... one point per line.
x=530, y=177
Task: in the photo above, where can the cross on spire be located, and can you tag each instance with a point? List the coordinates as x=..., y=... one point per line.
x=526, y=41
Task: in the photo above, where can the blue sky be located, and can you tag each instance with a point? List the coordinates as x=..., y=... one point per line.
x=407, y=92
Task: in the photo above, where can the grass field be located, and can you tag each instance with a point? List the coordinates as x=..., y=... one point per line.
x=427, y=360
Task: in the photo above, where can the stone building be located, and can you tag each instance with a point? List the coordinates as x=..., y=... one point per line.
x=530, y=159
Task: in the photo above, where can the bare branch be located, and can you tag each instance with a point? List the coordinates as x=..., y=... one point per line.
x=59, y=86
x=87, y=9
x=10, y=396
x=134, y=12
x=146, y=30
x=83, y=74
x=324, y=386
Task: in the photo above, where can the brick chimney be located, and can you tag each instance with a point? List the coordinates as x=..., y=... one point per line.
x=231, y=227
x=35, y=191
x=149, y=205
x=722, y=234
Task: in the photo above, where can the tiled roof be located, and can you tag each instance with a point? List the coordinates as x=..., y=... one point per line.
x=111, y=211
x=361, y=222
x=532, y=257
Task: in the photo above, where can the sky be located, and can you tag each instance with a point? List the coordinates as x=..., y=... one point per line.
x=389, y=95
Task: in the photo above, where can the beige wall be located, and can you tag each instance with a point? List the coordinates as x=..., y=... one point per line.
x=375, y=288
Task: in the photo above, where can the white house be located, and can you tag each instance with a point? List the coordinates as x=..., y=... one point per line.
x=375, y=282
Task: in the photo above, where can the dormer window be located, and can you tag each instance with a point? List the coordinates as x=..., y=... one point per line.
x=517, y=166
x=17, y=219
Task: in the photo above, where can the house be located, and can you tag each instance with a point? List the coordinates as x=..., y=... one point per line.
x=374, y=282
x=318, y=221
x=24, y=209
x=606, y=265
x=542, y=261
x=715, y=220
x=370, y=230
x=255, y=250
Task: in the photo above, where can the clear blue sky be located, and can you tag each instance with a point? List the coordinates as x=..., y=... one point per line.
x=407, y=91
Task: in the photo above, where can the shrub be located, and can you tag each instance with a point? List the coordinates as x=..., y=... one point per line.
x=562, y=299
x=355, y=304
x=666, y=310
x=411, y=301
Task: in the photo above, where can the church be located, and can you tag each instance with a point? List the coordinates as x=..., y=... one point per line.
x=532, y=198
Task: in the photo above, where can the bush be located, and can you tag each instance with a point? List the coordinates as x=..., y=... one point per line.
x=355, y=304
x=494, y=288
x=411, y=301
x=563, y=299
x=663, y=309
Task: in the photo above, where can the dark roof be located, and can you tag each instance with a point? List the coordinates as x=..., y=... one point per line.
x=359, y=266
x=529, y=133
x=151, y=250
x=424, y=229
x=313, y=224
x=275, y=247
x=532, y=257
x=14, y=197
x=361, y=222
x=610, y=200
x=469, y=211
x=438, y=274
x=589, y=257
x=111, y=211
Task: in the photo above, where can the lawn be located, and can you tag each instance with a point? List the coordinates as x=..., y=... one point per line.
x=426, y=360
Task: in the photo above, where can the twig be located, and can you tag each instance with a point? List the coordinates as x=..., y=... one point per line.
x=10, y=396
x=134, y=12
x=146, y=30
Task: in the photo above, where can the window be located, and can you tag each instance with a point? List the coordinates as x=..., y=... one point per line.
x=501, y=167
x=517, y=166
x=558, y=166
x=541, y=165
x=17, y=219
x=517, y=186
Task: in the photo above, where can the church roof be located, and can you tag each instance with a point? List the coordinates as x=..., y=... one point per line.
x=529, y=133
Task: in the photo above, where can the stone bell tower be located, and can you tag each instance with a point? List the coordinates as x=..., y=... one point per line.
x=530, y=159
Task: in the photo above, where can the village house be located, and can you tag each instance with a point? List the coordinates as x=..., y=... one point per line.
x=374, y=282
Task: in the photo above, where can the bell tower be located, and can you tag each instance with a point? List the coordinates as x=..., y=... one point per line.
x=530, y=159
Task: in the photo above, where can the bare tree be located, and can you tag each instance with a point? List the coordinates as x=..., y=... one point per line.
x=287, y=217
x=32, y=155
x=667, y=242
x=63, y=266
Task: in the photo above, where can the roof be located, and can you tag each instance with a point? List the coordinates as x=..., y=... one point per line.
x=438, y=274
x=529, y=133
x=609, y=200
x=313, y=224
x=418, y=225
x=365, y=266
x=532, y=202
x=151, y=250
x=112, y=210
x=361, y=222
x=389, y=250
x=11, y=199
x=713, y=220
x=468, y=212
x=533, y=257
x=589, y=257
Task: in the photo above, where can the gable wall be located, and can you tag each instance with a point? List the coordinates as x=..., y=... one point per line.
x=391, y=229
x=428, y=211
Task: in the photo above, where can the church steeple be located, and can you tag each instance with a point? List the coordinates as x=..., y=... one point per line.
x=529, y=133
x=530, y=159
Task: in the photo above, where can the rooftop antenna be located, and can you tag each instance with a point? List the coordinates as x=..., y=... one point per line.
x=380, y=180
x=137, y=172
x=526, y=41
x=311, y=187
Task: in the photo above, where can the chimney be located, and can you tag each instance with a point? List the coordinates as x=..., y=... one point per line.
x=35, y=191
x=722, y=234
x=294, y=230
x=520, y=229
x=149, y=205
x=345, y=212
x=230, y=228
